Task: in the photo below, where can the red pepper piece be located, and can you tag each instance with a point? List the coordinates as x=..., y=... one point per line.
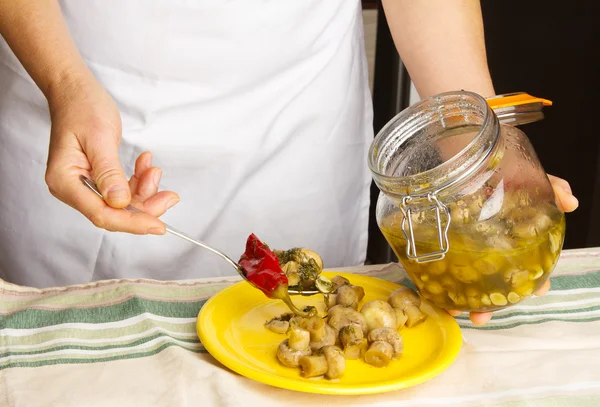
x=261, y=266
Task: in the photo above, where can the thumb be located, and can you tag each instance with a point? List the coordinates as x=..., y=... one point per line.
x=108, y=174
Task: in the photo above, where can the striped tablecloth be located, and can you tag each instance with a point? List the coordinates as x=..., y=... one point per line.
x=133, y=343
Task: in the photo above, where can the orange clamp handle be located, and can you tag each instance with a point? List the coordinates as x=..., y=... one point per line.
x=515, y=99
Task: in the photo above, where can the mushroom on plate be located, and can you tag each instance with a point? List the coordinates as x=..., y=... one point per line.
x=379, y=354
x=409, y=302
x=329, y=361
x=353, y=341
x=390, y=336
x=379, y=314
x=280, y=324
x=340, y=316
x=349, y=295
x=293, y=348
x=321, y=334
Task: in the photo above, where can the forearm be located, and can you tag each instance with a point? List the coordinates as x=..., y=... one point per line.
x=442, y=44
x=39, y=37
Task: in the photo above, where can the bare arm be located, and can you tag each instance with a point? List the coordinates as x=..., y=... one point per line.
x=441, y=42
x=38, y=36
x=86, y=124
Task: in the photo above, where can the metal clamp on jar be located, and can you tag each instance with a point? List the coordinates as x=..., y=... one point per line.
x=465, y=203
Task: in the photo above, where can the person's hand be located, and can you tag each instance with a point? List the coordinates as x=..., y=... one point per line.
x=84, y=140
x=566, y=203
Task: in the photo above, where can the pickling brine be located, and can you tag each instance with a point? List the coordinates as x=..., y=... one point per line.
x=483, y=272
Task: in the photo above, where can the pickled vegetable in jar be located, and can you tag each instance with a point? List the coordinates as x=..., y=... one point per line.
x=465, y=204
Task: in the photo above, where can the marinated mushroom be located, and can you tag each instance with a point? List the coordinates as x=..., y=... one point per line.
x=321, y=334
x=278, y=326
x=289, y=357
x=401, y=318
x=330, y=301
x=349, y=295
x=328, y=361
x=291, y=271
x=336, y=363
x=301, y=265
x=297, y=321
x=353, y=341
x=312, y=365
x=380, y=354
x=356, y=350
x=339, y=281
x=350, y=333
x=320, y=346
x=299, y=339
x=390, y=336
x=379, y=314
x=340, y=316
x=408, y=301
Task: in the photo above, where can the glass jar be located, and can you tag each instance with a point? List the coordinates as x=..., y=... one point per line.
x=465, y=203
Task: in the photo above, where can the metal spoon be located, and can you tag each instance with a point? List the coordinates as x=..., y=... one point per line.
x=291, y=290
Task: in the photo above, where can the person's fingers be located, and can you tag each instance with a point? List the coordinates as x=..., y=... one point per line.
x=159, y=203
x=565, y=199
x=480, y=318
x=103, y=155
x=143, y=162
x=147, y=184
x=75, y=194
x=559, y=182
x=543, y=289
x=454, y=313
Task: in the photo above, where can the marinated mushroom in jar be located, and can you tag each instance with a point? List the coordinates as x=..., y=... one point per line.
x=505, y=246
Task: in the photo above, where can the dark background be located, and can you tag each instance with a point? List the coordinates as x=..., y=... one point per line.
x=547, y=49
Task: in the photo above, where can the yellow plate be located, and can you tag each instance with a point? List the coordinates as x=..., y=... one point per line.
x=231, y=328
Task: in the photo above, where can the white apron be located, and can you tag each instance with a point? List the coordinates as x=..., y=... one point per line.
x=234, y=99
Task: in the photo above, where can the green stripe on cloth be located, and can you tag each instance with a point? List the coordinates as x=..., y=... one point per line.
x=135, y=306
x=575, y=281
x=178, y=331
x=115, y=294
x=545, y=312
x=561, y=305
x=112, y=345
x=94, y=355
x=75, y=360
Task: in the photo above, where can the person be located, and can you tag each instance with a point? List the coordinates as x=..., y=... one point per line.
x=259, y=114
